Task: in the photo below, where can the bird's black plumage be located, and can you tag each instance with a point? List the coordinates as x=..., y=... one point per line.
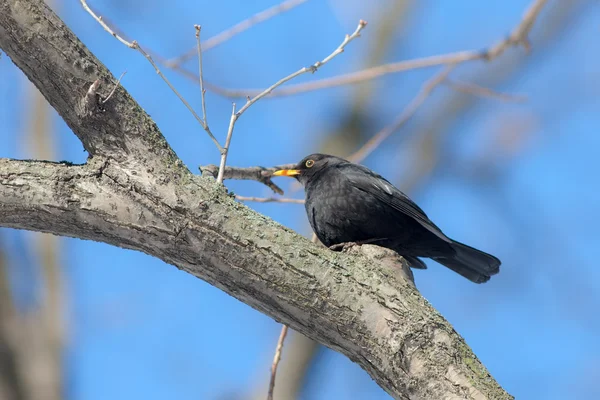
x=347, y=203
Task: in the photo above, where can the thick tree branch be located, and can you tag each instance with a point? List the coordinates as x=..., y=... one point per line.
x=63, y=69
x=356, y=304
x=134, y=193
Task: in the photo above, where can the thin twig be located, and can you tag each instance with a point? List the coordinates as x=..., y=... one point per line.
x=518, y=37
x=477, y=90
x=226, y=148
x=356, y=77
x=114, y=88
x=202, y=90
x=237, y=29
x=276, y=358
x=184, y=101
x=135, y=45
x=103, y=24
x=270, y=199
x=313, y=68
x=259, y=174
x=404, y=116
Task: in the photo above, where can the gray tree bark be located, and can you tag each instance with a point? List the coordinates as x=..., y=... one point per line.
x=135, y=193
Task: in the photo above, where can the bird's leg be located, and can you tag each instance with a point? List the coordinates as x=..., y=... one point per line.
x=347, y=245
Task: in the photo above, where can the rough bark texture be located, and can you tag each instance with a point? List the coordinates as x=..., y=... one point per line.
x=135, y=193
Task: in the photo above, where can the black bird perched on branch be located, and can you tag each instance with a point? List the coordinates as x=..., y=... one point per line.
x=349, y=204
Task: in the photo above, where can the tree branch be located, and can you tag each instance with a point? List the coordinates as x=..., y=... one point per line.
x=136, y=46
x=134, y=193
x=63, y=69
x=237, y=29
x=406, y=114
x=476, y=90
x=250, y=101
x=259, y=174
x=270, y=199
x=276, y=359
x=353, y=303
x=518, y=37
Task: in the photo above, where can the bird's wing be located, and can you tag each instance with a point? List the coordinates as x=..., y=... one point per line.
x=366, y=180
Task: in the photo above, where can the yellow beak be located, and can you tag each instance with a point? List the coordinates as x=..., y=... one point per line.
x=287, y=172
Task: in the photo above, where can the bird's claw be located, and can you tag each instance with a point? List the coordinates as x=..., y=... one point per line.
x=343, y=246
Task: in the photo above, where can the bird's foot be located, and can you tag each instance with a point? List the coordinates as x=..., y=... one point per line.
x=348, y=245
x=343, y=246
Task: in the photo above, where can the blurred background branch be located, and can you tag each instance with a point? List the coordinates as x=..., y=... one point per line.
x=32, y=322
x=238, y=28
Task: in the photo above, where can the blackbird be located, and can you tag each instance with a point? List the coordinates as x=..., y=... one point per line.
x=349, y=204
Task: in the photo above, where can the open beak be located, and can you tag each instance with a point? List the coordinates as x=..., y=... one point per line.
x=287, y=172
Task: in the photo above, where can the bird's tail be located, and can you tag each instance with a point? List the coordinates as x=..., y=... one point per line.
x=471, y=263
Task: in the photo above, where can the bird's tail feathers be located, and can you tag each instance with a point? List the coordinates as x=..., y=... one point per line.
x=471, y=263
x=415, y=262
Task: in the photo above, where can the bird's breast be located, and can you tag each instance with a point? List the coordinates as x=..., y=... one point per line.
x=340, y=213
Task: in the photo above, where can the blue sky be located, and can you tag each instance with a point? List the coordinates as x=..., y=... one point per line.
x=516, y=179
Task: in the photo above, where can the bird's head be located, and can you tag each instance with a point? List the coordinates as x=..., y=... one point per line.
x=311, y=167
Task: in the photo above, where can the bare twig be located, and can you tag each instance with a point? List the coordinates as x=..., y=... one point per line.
x=184, y=101
x=270, y=199
x=104, y=25
x=135, y=45
x=259, y=174
x=114, y=88
x=276, y=358
x=237, y=29
x=312, y=68
x=357, y=77
x=477, y=90
x=245, y=93
x=406, y=114
x=227, y=143
x=518, y=37
x=200, y=75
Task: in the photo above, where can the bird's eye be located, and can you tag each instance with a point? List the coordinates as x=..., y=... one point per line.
x=309, y=163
